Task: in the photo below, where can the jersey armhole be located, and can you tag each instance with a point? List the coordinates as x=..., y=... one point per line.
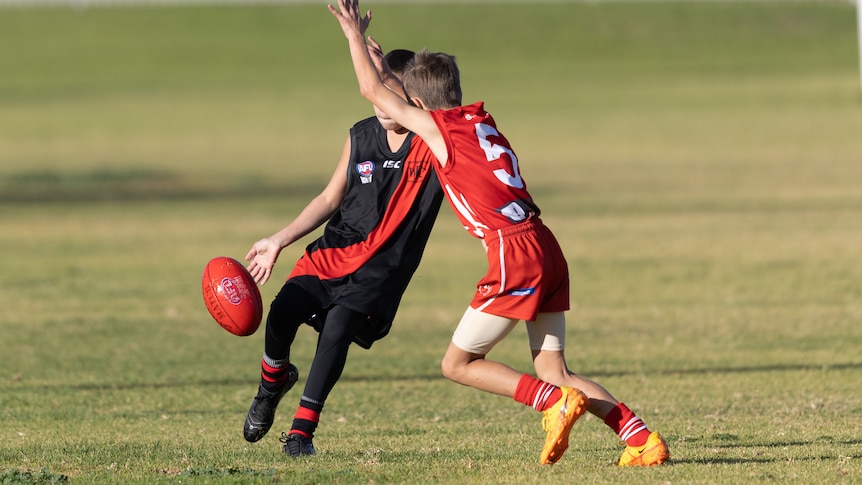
x=439, y=120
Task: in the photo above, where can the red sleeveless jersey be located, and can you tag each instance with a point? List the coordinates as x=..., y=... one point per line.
x=481, y=177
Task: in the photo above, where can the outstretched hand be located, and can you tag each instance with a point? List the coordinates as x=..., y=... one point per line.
x=262, y=256
x=377, y=56
x=349, y=17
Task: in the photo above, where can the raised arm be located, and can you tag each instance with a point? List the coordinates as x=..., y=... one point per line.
x=372, y=87
x=378, y=58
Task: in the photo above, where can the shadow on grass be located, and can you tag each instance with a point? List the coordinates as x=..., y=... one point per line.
x=760, y=448
x=665, y=372
x=829, y=440
x=728, y=440
x=732, y=370
x=138, y=185
x=753, y=460
x=109, y=386
x=145, y=185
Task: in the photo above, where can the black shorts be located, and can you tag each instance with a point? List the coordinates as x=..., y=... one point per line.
x=365, y=333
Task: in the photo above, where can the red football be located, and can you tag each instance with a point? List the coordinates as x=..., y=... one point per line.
x=232, y=296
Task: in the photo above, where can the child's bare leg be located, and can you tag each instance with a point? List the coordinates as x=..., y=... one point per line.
x=475, y=371
x=547, y=342
x=465, y=362
x=551, y=367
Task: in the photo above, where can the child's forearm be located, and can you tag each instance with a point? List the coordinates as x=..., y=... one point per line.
x=366, y=74
x=353, y=25
x=393, y=84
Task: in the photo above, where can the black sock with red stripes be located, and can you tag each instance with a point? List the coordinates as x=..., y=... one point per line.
x=306, y=418
x=273, y=372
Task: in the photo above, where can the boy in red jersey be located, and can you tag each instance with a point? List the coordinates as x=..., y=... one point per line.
x=527, y=276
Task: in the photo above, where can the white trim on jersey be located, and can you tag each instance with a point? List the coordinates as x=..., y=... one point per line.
x=463, y=208
x=502, y=256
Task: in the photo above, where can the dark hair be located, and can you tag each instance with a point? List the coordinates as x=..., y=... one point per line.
x=398, y=59
x=434, y=78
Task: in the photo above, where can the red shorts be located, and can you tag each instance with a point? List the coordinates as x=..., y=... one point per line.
x=527, y=273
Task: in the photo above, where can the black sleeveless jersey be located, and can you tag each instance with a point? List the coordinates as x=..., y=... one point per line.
x=372, y=244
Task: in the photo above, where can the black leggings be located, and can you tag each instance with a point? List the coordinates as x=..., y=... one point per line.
x=331, y=355
x=291, y=308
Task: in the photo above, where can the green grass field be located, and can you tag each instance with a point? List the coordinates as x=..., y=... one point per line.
x=700, y=163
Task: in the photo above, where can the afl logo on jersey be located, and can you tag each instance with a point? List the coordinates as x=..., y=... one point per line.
x=365, y=170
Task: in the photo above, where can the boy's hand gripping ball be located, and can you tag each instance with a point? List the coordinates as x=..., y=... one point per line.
x=232, y=296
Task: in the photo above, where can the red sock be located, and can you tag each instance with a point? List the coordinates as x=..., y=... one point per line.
x=305, y=422
x=273, y=377
x=627, y=426
x=538, y=394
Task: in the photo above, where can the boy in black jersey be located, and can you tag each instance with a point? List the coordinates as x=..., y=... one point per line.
x=349, y=282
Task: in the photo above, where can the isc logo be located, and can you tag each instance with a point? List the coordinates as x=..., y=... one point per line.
x=392, y=164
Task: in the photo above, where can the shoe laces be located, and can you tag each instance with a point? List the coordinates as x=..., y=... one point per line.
x=286, y=437
x=296, y=445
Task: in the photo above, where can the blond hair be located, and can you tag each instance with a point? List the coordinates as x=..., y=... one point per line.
x=434, y=78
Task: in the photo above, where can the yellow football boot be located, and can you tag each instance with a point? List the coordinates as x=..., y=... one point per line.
x=653, y=452
x=558, y=421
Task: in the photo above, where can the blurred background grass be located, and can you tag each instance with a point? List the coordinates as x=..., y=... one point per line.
x=698, y=161
x=173, y=99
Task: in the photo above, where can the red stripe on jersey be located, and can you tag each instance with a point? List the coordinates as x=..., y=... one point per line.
x=331, y=263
